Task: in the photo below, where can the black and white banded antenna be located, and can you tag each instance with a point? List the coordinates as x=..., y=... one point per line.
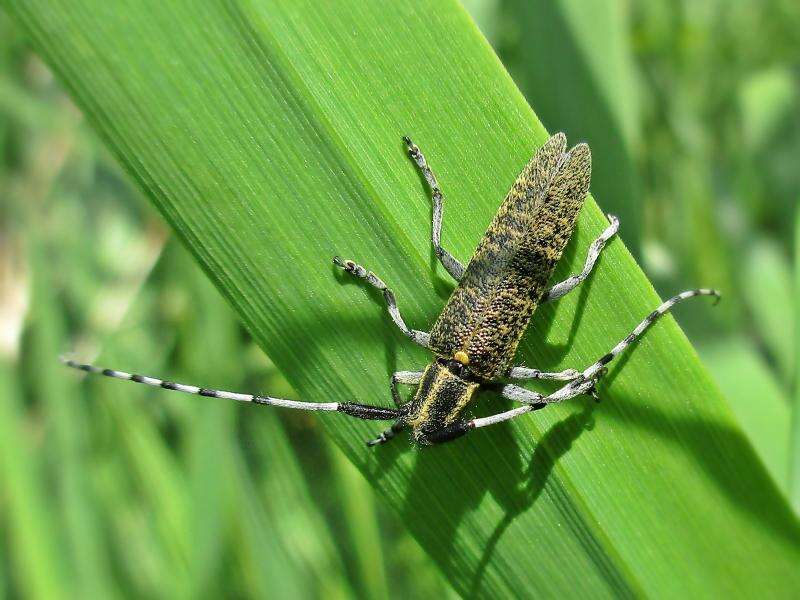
x=353, y=409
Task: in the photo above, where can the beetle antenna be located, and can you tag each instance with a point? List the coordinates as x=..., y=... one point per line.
x=360, y=411
x=594, y=369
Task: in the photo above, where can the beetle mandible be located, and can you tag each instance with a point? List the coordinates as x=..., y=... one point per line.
x=475, y=338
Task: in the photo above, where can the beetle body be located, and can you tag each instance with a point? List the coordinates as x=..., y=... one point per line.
x=476, y=335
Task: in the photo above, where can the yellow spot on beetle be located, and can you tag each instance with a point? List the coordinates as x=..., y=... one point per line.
x=461, y=357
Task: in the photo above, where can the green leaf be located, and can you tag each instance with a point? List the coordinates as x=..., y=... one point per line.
x=768, y=295
x=358, y=508
x=756, y=398
x=29, y=525
x=767, y=98
x=66, y=436
x=189, y=504
x=794, y=448
x=269, y=137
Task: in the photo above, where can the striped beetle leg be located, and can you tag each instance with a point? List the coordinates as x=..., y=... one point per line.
x=596, y=247
x=522, y=372
x=406, y=378
x=587, y=380
x=418, y=337
x=388, y=434
x=449, y=262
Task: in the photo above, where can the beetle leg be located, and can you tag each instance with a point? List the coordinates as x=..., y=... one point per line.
x=520, y=394
x=531, y=400
x=586, y=382
x=406, y=378
x=527, y=373
x=455, y=268
x=570, y=390
x=448, y=433
x=387, y=434
x=420, y=337
x=459, y=428
x=597, y=368
x=595, y=249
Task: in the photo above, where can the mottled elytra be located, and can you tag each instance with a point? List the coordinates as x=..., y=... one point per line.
x=475, y=338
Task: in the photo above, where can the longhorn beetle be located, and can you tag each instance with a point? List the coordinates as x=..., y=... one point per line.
x=476, y=335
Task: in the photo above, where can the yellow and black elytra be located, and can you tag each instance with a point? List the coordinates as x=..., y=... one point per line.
x=475, y=337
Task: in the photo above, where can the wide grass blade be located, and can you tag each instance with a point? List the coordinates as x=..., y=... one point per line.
x=269, y=137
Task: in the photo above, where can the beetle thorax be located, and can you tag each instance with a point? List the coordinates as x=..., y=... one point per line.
x=441, y=397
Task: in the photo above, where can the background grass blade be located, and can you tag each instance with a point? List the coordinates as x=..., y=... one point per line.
x=364, y=538
x=268, y=136
x=35, y=553
x=770, y=276
x=794, y=437
x=66, y=436
x=763, y=409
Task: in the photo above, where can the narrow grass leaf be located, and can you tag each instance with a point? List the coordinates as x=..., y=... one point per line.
x=361, y=519
x=32, y=535
x=768, y=295
x=756, y=397
x=67, y=440
x=794, y=448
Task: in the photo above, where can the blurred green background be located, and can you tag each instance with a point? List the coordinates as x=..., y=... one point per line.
x=693, y=114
